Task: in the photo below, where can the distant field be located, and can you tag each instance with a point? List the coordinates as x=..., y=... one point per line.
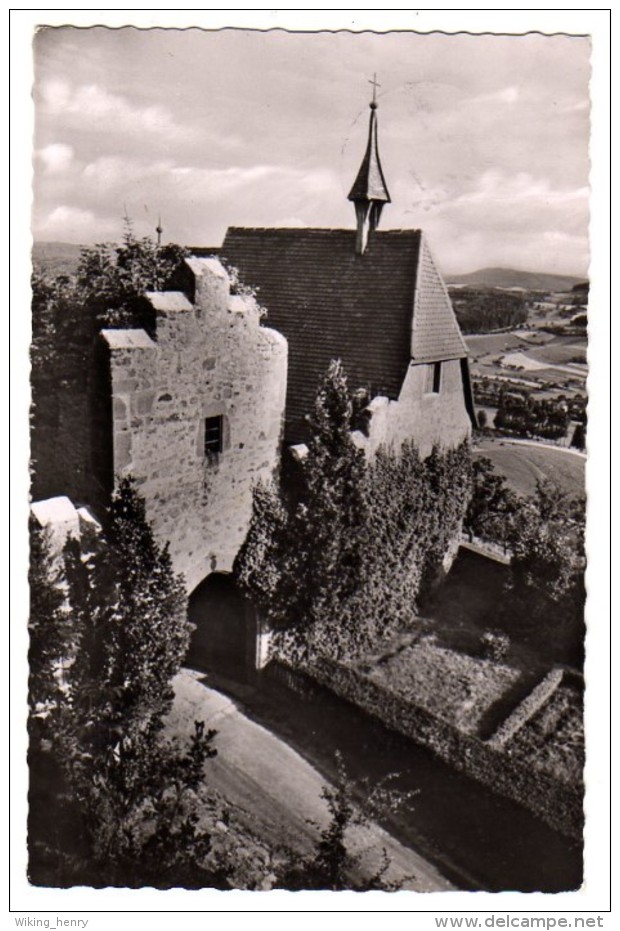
x=541, y=347
x=530, y=359
x=558, y=354
x=523, y=360
x=523, y=465
x=482, y=344
x=543, y=367
x=56, y=258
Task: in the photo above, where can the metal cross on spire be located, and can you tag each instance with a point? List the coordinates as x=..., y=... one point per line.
x=375, y=85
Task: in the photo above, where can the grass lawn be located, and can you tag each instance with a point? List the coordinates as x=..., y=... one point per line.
x=455, y=686
x=523, y=465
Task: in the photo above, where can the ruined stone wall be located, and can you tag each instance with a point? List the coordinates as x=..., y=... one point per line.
x=210, y=358
x=67, y=445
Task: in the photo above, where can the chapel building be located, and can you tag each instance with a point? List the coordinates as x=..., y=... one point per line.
x=376, y=301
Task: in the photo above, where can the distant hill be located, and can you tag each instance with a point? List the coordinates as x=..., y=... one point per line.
x=57, y=258
x=61, y=258
x=514, y=278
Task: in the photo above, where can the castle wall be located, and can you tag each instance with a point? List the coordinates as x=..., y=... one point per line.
x=209, y=359
x=420, y=414
x=69, y=454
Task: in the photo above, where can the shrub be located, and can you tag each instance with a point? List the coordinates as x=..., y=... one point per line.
x=494, y=645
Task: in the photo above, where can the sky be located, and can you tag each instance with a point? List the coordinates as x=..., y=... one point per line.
x=483, y=138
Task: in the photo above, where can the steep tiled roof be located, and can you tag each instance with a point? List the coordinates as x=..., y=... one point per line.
x=435, y=334
x=331, y=303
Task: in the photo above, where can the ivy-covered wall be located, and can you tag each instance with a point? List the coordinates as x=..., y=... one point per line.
x=557, y=802
x=343, y=561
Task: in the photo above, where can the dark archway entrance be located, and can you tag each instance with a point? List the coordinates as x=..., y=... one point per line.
x=224, y=639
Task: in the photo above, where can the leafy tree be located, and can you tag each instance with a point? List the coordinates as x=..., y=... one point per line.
x=48, y=627
x=131, y=796
x=482, y=419
x=67, y=314
x=479, y=310
x=113, y=278
x=521, y=414
x=333, y=866
x=343, y=561
x=579, y=437
x=492, y=506
x=106, y=290
x=332, y=514
x=546, y=586
x=448, y=474
x=302, y=557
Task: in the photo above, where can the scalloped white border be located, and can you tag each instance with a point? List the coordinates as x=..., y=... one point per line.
x=594, y=896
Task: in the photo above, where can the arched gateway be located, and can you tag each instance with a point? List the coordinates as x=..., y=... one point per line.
x=226, y=639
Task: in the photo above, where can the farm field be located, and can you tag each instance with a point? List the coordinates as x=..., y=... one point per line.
x=559, y=353
x=532, y=359
x=522, y=361
x=487, y=349
x=523, y=465
x=482, y=344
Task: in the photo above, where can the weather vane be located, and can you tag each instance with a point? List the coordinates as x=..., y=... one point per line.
x=375, y=85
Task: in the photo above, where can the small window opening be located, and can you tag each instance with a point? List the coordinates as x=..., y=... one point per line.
x=433, y=378
x=213, y=435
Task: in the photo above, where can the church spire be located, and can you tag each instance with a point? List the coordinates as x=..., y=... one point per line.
x=369, y=192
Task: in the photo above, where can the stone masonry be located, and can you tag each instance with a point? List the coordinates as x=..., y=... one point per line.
x=431, y=408
x=209, y=362
x=426, y=417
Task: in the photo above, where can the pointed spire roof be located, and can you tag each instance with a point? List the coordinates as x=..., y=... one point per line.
x=370, y=184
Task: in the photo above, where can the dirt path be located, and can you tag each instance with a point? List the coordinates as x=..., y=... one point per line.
x=539, y=445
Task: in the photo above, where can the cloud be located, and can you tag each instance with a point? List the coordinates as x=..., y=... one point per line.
x=483, y=139
x=505, y=95
x=110, y=176
x=90, y=105
x=73, y=224
x=499, y=218
x=274, y=189
x=196, y=203
x=111, y=172
x=56, y=157
x=495, y=193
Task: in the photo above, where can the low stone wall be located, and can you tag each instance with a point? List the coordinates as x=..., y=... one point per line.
x=527, y=708
x=558, y=803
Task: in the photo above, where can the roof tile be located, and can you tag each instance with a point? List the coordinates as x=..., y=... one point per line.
x=331, y=303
